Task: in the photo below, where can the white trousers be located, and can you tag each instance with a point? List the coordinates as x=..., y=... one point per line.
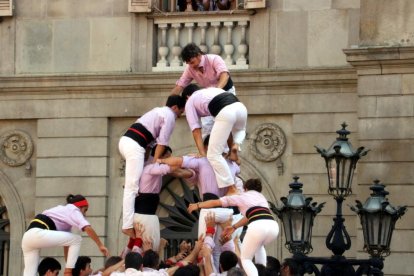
x=231, y=119
x=35, y=238
x=259, y=233
x=221, y=215
x=152, y=228
x=208, y=122
x=134, y=156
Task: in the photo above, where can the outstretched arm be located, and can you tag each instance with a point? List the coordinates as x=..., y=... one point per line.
x=224, y=77
x=158, y=152
x=198, y=139
x=176, y=90
x=205, y=204
x=92, y=234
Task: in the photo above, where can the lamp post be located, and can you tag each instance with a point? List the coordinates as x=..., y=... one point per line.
x=377, y=216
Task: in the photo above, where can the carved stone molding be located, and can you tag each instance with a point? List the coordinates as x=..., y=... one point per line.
x=16, y=148
x=268, y=142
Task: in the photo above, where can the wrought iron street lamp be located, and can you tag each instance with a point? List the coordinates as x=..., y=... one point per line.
x=377, y=217
x=297, y=213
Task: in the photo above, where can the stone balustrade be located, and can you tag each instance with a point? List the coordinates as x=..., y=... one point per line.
x=224, y=34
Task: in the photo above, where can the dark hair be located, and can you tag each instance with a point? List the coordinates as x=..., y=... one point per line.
x=188, y=270
x=46, y=264
x=272, y=266
x=150, y=259
x=175, y=100
x=182, y=5
x=133, y=260
x=190, y=51
x=112, y=261
x=253, y=184
x=166, y=149
x=189, y=90
x=293, y=266
x=236, y=271
x=206, y=140
x=81, y=263
x=261, y=269
x=228, y=259
x=74, y=198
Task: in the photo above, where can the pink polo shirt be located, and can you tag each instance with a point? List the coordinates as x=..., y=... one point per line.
x=151, y=178
x=160, y=121
x=245, y=201
x=213, y=66
x=197, y=105
x=66, y=216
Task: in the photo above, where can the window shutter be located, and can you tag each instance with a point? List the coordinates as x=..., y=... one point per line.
x=254, y=4
x=139, y=5
x=6, y=7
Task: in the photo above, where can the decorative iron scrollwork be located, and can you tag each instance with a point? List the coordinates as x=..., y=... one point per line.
x=268, y=142
x=16, y=148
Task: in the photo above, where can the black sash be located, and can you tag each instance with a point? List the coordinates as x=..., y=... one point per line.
x=146, y=203
x=220, y=101
x=140, y=134
x=256, y=212
x=228, y=85
x=43, y=222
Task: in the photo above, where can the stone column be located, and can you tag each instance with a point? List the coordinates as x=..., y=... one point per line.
x=384, y=60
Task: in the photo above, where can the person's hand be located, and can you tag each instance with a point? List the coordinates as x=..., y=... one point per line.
x=192, y=207
x=205, y=251
x=146, y=244
x=226, y=223
x=163, y=243
x=104, y=250
x=228, y=231
x=224, y=239
x=139, y=230
x=210, y=219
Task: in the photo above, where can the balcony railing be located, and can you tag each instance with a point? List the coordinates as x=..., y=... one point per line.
x=222, y=33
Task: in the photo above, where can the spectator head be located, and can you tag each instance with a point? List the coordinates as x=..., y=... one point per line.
x=151, y=259
x=133, y=260
x=253, y=184
x=113, y=260
x=49, y=266
x=82, y=266
x=236, y=271
x=261, y=269
x=189, y=90
x=272, y=265
x=227, y=260
x=289, y=268
x=188, y=270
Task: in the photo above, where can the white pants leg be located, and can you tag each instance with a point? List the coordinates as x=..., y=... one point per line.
x=259, y=233
x=152, y=228
x=134, y=156
x=207, y=122
x=231, y=118
x=34, y=239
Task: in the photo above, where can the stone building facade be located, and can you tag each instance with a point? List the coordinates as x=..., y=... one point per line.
x=75, y=74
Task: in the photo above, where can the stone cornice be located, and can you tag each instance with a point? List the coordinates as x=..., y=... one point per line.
x=381, y=60
x=163, y=82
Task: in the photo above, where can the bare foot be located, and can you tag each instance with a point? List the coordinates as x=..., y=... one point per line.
x=129, y=232
x=232, y=190
x=234, y=152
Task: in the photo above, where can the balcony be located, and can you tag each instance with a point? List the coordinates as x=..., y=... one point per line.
x=224, y=33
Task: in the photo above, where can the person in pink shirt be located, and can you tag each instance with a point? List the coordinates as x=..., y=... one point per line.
x=53, y=228
x=207, y=70
x=262, y=228
x=230, y=118
x=154, y=126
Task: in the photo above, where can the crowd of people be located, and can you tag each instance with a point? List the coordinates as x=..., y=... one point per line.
x=217, y=120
